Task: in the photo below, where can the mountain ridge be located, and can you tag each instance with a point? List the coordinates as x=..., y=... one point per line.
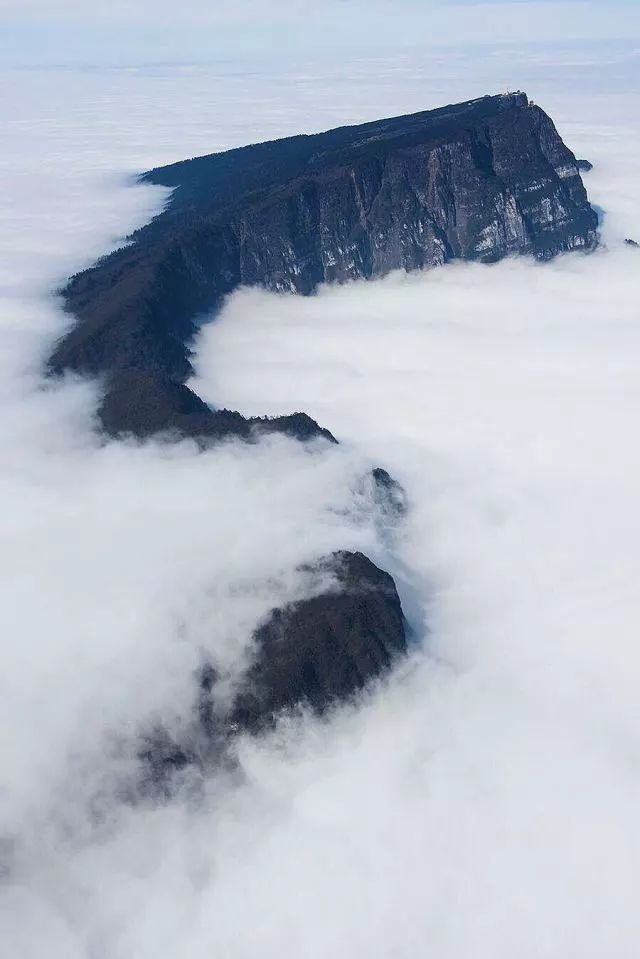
x=477, y=181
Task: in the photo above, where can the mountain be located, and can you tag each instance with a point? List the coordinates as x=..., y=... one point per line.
x=324, y=649
x=477, y=180
x=315, y=652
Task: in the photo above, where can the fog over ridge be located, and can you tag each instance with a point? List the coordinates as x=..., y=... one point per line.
x=484, y=799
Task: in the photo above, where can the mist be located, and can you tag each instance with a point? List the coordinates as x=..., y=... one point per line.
x=482, y=799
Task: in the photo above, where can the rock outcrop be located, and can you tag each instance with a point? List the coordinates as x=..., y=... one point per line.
x=141, y=403
x=324, y=649
x=478, y=181
x=314, y=653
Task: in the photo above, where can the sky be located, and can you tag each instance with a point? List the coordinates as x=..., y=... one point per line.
x=37, y=31
x=483, y=799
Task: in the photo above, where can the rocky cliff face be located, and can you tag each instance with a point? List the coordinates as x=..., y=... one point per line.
x=478, y=181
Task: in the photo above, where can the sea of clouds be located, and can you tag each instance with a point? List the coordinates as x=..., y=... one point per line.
x=484, y=800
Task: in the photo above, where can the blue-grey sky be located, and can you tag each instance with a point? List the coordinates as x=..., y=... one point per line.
x=124, y=31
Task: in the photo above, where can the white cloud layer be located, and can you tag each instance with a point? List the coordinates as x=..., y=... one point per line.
x=484, y=801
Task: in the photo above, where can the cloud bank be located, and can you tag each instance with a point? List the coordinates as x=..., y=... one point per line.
x=484, y=800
